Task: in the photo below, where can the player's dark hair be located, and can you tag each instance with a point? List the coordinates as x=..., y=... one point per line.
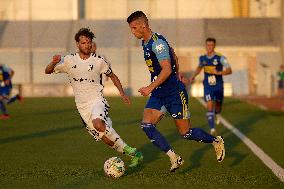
x=84, y=32
x=136, y=15
x=211, y=39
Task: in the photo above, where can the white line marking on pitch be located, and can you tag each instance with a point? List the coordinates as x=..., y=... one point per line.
x=268, y=161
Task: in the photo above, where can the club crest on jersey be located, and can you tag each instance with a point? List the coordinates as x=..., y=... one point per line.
x=160, y=48
x=90, y=67
x=215, y=62
x=147, y=54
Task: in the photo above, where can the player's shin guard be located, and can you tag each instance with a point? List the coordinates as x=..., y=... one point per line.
x=210, y=117
x=199, y=135
x=155, y=137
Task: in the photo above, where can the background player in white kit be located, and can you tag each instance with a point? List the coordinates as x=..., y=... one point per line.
x=85, y=70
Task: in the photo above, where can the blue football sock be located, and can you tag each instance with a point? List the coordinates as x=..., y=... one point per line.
x=156, y=137
x=199, y=135
x=13, y=99
x=211, y=119
x=3, y=108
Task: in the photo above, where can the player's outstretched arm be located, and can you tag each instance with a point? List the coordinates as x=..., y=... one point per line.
x=12, y=73
x=118, y=85
x=50, y=67
x=9, y=70
x=197, y=71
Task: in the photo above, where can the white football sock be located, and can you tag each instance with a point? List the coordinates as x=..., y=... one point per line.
x=111, y=134
x=171, y=154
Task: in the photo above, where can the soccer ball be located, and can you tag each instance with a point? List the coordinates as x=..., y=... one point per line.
x=114, y=167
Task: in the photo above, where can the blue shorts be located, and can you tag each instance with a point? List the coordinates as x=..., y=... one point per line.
x=176, y=104
x=5, y=91
x=214, y=94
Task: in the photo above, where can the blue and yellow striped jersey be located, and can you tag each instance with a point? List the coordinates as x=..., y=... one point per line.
x=218, y=62
x=156, y=50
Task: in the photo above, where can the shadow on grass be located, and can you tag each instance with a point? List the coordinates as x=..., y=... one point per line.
x=151, y=153
x=118, y=123
x=86, y=180
x=231, y=142
x=38, y=134
x=46, y=113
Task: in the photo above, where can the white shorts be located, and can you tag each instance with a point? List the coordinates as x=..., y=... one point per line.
x=93, y=110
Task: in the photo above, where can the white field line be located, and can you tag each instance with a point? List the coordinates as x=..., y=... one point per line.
x=268, y=161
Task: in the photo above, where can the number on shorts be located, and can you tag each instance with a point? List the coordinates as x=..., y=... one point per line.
x=208, y=97
x=212, y=80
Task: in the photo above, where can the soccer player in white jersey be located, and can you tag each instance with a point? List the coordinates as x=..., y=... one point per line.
x=85, y=70
x=93, y=50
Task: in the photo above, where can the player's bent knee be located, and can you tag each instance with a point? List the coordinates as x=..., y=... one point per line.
x=99, y=125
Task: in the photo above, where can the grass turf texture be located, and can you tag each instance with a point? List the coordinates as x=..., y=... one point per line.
x=44, y=145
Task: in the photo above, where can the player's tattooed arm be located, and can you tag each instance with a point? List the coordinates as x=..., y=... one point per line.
x=118, y=85
x=50, y=67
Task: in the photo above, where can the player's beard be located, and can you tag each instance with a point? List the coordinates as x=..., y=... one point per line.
x=138, y=35
x=86, y=51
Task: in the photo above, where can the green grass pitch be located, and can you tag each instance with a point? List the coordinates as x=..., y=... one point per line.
x=44, y=145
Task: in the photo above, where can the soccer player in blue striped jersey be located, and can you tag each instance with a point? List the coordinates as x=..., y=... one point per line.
x=215, y=66
x=167, y=93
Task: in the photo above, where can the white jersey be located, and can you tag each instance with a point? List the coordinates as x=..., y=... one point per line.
x=85, y=75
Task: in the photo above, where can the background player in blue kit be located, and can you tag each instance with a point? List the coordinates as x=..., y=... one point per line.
x=167, y=92
x=6, y=74
x=215, y=66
